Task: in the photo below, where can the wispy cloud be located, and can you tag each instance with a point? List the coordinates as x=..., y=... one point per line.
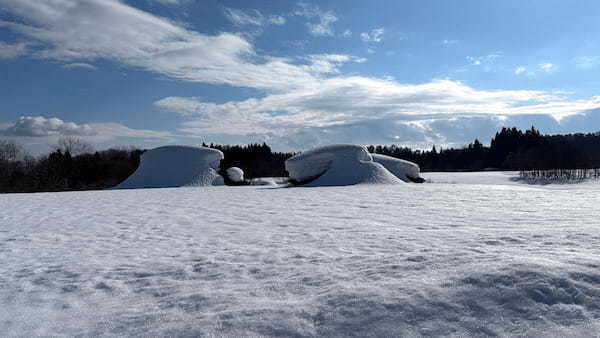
x=171, y=2
x=79, y=65
x=252, y=17
x=587, y=62
x=375, y=35
x=547, y=67
x=449, y=42
x=483, y=60
x=11, y=51
x=75, y=31
x=325, y=19
x=346, y=34
x=520, y=70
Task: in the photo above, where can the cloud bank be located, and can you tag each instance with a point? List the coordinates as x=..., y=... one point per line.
x=306, y=99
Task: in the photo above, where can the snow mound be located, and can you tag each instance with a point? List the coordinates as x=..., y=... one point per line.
x=404, y=170
x=235, y=174
x=339, y=164
x=176, y=166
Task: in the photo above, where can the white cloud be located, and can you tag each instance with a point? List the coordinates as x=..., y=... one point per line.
x=48, y=129
x=79, y=65
x=325, y=19
x=39, y=126
x=83, y=31
x=352, y=101
x=346, y=34
x=305, y=98
x=252, y=17
x=547, y=67
x=11, y=51
x=520, y=70
x=376, y=35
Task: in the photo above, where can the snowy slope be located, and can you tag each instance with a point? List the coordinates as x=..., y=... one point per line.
x=337, y=165
x=368, y=260
x=176, y=166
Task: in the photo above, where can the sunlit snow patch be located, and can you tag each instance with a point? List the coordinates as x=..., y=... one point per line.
x=176, y=166
x=340, y=164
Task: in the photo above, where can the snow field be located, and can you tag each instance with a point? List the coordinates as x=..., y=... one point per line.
x=384, y=260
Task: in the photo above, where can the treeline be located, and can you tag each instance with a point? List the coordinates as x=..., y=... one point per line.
x=256, y=160
x=61, y=171
x=74, y=165
x=510, y=149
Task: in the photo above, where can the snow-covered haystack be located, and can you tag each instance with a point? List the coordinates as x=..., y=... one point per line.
x=404, y=170
x=176, y=166
x=340, y=164
x=235, y=174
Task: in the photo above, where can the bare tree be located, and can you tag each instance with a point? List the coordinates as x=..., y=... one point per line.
x=11, y=151
x=73, y=145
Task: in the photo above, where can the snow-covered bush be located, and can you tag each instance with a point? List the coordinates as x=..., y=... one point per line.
x=176, y=166
x=340, y=164
x=235, y=174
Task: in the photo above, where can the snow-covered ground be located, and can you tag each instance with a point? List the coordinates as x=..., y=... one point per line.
x=433, y=259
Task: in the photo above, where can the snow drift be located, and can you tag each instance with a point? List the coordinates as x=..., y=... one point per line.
x=404, y=170
x=176, y=166
x=340, y=164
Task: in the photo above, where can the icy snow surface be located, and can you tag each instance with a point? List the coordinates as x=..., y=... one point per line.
x=336, y=165
x=176, y=166
x=433, y=259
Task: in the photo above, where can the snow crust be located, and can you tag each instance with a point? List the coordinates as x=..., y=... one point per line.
x=235, y=174
x=400, y=168
x=176, y=166
x=468, y=259
x=338, y=165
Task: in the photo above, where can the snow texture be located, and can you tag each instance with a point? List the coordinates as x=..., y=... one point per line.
x=235, y=174
x=176, y=166
x=451, y=260
x=400, y=168
x=337, y=165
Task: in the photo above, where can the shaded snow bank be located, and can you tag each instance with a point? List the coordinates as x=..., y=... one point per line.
x=404, y=170
x=176, y=166
x=346, y=164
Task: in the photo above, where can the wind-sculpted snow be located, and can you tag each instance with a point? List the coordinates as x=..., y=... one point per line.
x=456, y=260
x=404, y=170
x=337, y=165
x=176, y=166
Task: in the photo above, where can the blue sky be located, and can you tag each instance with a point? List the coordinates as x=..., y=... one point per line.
x=295, y=74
